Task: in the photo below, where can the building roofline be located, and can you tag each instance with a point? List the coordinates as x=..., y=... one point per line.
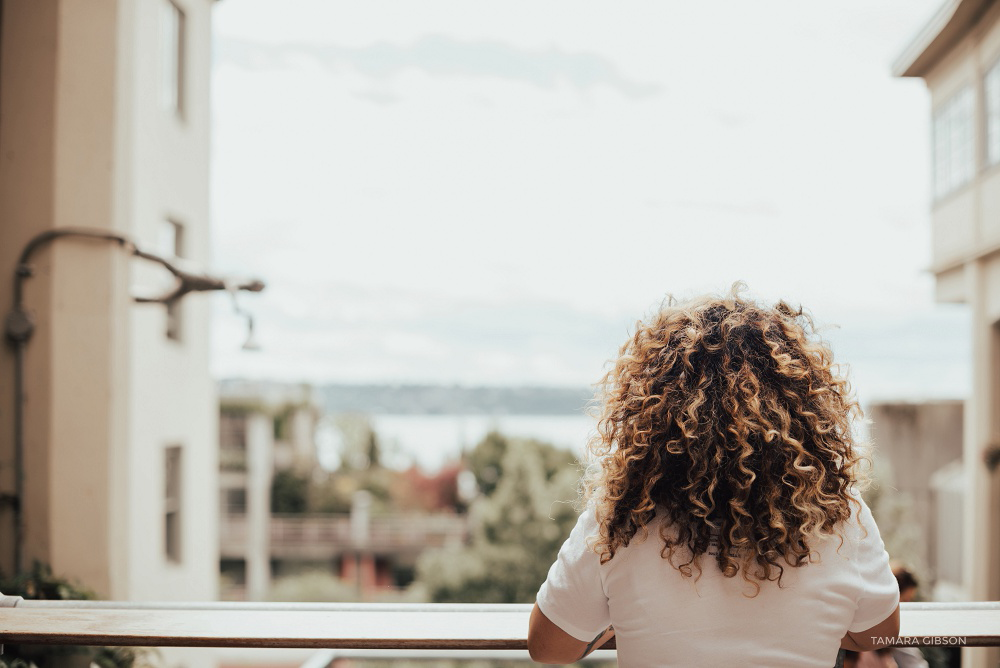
x=938, y=36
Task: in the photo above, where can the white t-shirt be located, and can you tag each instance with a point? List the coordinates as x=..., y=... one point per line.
x=664, y=619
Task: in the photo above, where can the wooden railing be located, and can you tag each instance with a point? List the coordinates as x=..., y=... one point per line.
x=370, y=626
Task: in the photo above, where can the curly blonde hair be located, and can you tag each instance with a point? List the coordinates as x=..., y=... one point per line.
x=730, y=418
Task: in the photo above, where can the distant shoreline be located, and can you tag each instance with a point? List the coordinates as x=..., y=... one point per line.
x=418, y=399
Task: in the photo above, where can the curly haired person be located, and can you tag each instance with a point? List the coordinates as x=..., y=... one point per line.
x=725, y=525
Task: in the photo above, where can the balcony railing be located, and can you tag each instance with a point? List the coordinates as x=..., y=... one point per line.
x=371, y=626
x=324, y=535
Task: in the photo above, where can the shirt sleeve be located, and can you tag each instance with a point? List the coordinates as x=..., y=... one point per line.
x=879, y=592
x=572, y=596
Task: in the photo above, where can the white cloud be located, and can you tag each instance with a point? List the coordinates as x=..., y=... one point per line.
x=777, y=149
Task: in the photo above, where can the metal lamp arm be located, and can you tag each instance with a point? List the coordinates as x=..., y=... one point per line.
x=186, y=281
x=24, y=269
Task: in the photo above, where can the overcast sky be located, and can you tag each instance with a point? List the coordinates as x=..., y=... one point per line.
x=492, y=193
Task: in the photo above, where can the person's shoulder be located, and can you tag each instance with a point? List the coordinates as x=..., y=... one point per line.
x=861, y=533
x=862, y=520
x=847, y=535
x=592, y=516
x=588, y=525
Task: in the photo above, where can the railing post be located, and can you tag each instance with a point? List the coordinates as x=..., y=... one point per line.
x=8, y=602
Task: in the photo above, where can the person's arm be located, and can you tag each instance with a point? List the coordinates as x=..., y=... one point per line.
x=863, y=641
x=547, y=643
x=571, y=613
x=877, y=613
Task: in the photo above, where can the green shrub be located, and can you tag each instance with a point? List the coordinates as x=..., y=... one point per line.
x=40, y=584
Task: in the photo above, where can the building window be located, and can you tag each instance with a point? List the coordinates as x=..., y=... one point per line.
x=170, y=238
x=175, y=321
x=170, y=243
x=235, y=502
x=172, y=39
x=991, y=89
x=172, y=504
x=232, y=442
x=954, y=155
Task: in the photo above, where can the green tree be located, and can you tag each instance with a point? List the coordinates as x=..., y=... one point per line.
x=486, y=461
x=360, y=448
x=312, y=586
x=373, y=450
x=519, y=528
x=289, y=492
x=39, y=583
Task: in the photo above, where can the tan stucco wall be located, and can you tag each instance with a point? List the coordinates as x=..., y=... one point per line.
x=54, y=128
x=966, y=262
x=912, y=442
x=955, y=220
x=27, y=111
x=177, y=405
x=953, y=231
x=85, y=141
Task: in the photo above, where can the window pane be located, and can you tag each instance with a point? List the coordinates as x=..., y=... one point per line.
x=954, y=143
x=236, y=501
x=991, y=88
x=172, y=56
x=170, y=239
x=172, y=504
x=175, y=321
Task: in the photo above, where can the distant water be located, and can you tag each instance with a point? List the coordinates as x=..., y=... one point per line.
x=433, y=440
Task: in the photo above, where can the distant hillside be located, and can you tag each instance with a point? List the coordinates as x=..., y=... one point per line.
x=453, y=400
x=412, y=399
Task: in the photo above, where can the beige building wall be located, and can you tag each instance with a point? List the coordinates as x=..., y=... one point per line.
x=87, y=140
x=260, y=472
x=178, y=407
x=913, y=442
x=956, y=50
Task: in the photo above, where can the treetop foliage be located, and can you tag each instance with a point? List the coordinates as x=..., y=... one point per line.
x=525, y=512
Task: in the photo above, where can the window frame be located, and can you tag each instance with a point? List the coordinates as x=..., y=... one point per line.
x=173, y=57
x=173, y=504
x=991, y=73
x=950, y=142
x=175, y=312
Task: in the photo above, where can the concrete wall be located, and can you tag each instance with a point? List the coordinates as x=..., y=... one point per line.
x=968, y=219
x=54, y=130
x=966, y=238
x=86, y=141
x=260, y=471
x=27, y=136
x=177, y=405
x=913, y=442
